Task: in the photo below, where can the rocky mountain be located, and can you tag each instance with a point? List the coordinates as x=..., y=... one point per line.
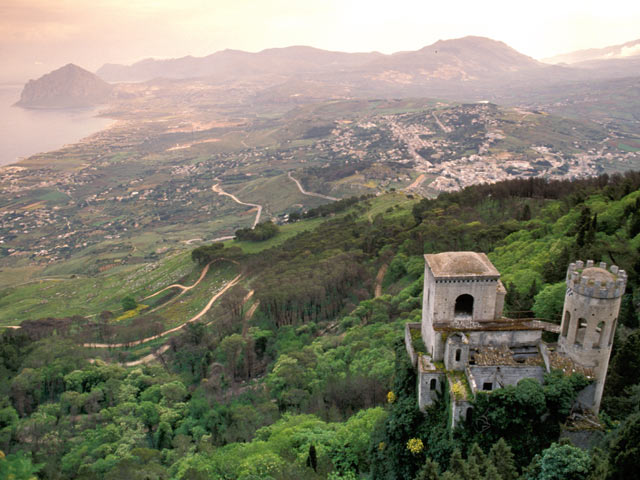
x=67, y=87
x=622, y=51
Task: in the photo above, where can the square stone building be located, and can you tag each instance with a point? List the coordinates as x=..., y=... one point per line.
x=464, y=342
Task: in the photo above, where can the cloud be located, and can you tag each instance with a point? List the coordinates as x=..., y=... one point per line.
x=630, y=51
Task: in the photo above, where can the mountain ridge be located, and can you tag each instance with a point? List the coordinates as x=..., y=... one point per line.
x=301, y=59
x=623, y=50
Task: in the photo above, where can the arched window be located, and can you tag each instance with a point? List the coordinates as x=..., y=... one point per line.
x=565, y=325
x=458, y=354
x=433, y=384
x=598, y=336
x=464, y=306
x=469, y=415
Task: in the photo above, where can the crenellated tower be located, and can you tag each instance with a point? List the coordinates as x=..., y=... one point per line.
x=589, y=321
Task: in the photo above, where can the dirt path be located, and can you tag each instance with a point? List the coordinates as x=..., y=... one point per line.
x=219, y=191
x=154, y=355
x=182, y=287
x=172, y=330
x=147, y=358
x=379, y=277
x=311, y=194
x=247, y=317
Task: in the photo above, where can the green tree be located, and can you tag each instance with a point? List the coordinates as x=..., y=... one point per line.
x=624, y=456
x=18, y=466
x=129, y=303
x=502, y=458
x=549, y=301
x=564, y=462
x=232, y=348
x=429, y=471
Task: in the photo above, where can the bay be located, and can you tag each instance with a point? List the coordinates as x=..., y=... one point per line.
x=25, y=132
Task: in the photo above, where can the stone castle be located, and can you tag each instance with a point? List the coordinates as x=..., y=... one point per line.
x=466, y=344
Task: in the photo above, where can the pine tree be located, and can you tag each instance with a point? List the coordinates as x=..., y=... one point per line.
x=429, y=471
x=477, y=456
x=450, y=476
x=492, y=473
x=599, y=465
x=502, y=458
x=457, y=465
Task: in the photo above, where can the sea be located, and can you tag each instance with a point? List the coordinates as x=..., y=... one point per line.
x=25, y=132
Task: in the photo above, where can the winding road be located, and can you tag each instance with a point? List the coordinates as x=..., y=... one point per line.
x=311, y=194
x=182, y=287
x=216, y=188
x=175, y=329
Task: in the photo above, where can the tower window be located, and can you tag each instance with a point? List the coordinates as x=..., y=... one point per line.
x=565, y=325
x=582, y=330
x=458, y=354
x=433, y=384
x=464, y=306
x=599, y=335
x=487, y=386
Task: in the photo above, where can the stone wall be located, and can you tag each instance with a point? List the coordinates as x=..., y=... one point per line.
x=511, y=338
x=482, y=290
x=460, y=410
x=426, y=394
x=408, y=341
x=501, y=376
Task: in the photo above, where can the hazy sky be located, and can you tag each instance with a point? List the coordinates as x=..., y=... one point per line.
x=37, y=36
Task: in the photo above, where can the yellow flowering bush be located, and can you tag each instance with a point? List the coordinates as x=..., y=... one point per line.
x=458, y=390
x=391, y=397
x=415, y=445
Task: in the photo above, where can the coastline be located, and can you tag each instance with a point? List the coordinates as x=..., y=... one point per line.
x=28, y=131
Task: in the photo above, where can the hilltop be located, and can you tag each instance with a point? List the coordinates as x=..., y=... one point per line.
x=67, y=87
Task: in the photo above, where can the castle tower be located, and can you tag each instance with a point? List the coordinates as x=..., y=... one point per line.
x=461, y=289
x=589, y=320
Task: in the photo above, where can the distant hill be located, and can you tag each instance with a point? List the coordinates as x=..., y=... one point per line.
x=468, y=58
x=67, y=87
x=237, y=63
x=624, y=50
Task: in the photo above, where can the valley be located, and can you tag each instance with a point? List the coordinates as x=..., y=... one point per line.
x=143, y=188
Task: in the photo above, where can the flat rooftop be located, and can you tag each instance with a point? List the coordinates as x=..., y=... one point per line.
x=460, y=264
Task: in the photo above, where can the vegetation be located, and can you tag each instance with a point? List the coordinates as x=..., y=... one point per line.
x=262, y=231
x=307, y=377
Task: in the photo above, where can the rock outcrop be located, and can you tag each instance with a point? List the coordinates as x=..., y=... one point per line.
x=67, y=87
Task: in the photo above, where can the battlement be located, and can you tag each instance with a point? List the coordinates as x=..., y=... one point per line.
x=596, y=281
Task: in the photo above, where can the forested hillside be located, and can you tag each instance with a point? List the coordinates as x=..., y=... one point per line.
x=307, y=376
